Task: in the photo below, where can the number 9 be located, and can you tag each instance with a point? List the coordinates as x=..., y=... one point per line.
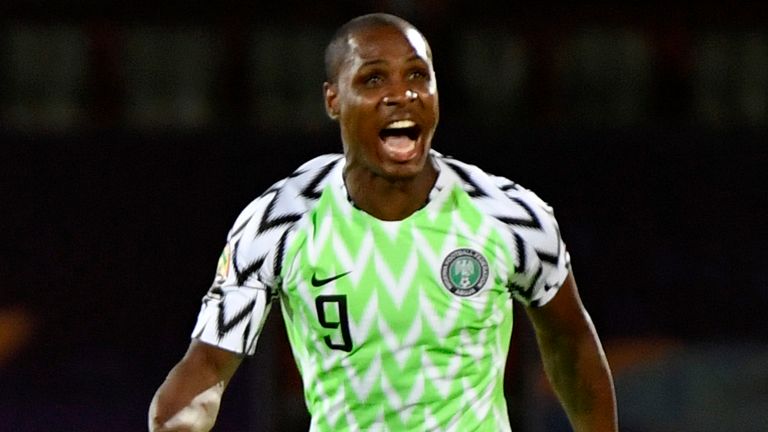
x=340, y=301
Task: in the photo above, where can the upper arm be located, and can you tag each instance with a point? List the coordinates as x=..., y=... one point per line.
x=574, y=360
x=234, y=310
x=189, y=397
x=540, y=260
x=203, y=366
x=209, y=360
x=563, y=315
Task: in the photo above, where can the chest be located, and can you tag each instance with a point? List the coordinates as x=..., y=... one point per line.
x=354, y=284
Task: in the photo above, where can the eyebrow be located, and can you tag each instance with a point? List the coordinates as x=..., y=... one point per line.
x=372, y=63
x=414, y=57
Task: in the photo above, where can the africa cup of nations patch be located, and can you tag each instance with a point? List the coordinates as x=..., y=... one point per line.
x=225, y=261
x=464, y=272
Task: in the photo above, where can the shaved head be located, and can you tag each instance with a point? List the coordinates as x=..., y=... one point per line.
x=337, y=50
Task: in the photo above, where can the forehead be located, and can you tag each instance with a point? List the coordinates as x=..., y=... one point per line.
x=386, y=43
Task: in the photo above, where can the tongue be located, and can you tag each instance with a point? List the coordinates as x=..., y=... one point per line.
x=399, y=148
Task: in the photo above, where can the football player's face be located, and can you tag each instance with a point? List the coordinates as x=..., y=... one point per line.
x=386, y=101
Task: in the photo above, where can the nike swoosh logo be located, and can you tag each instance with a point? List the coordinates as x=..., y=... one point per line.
x=320, y=282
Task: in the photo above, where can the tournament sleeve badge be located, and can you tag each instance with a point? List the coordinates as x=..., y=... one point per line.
x=224, y=264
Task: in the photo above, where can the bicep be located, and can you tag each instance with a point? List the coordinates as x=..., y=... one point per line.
x=210, y=363
x=189, y=397
x=562, y=315
x=203, y=367
x=574, y=360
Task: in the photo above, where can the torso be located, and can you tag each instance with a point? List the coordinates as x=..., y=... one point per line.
x=403, y=325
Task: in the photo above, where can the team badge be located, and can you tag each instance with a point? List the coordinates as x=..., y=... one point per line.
x=464, y=272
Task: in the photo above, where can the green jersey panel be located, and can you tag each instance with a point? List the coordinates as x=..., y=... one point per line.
x=400, y=324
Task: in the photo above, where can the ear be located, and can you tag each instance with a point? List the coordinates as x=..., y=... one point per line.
x=330, y=93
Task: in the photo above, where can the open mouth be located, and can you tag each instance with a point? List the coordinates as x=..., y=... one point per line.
x=401, y=128
x=399, y=140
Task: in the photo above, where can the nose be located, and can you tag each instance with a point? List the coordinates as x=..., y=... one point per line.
x=400, y=97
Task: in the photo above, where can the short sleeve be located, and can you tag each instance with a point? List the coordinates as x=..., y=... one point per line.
x=542, y=262
x=248, y=275
x=235, y=308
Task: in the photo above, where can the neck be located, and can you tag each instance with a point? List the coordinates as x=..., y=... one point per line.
x=389, y=199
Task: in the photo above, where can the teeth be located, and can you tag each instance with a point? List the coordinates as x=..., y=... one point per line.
x=401, y=124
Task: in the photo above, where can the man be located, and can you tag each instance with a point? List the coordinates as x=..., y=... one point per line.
x=395, y=268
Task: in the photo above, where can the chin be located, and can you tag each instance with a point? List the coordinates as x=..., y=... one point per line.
x=404, y=170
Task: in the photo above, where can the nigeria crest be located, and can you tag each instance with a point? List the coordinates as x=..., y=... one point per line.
x=464, y=272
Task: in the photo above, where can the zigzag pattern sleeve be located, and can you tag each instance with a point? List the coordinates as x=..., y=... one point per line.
x=543, y=262
x=247, y=280
x=236, y=306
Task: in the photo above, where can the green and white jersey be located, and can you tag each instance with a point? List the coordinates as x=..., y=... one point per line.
x=395, y=326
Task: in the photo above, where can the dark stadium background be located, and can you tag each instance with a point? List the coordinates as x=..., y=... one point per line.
x=132, y=133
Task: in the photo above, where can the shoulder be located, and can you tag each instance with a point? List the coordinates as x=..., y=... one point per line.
x=487, y=187
x=305, y=183
x=259, y=234
x=537, y=243
x=288, y=198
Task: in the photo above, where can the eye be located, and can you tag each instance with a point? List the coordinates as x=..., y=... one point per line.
x=373, y=80
x=418, y=74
